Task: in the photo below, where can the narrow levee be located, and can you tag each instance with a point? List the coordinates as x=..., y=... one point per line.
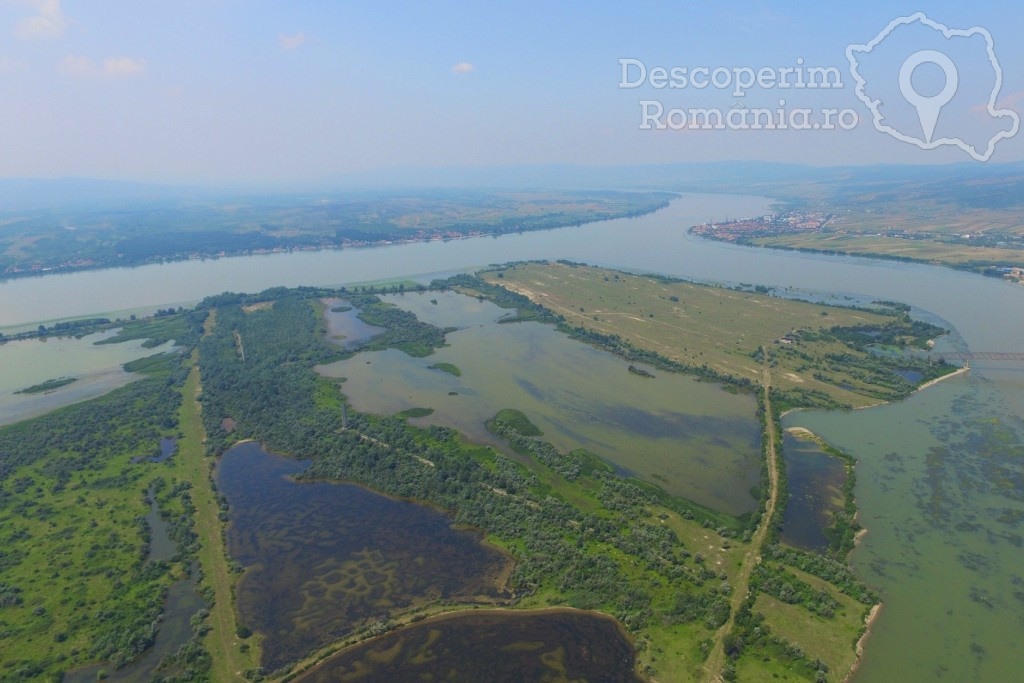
x=716, y=660
x=230, y=656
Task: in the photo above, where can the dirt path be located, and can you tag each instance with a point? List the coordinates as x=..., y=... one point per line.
x=716, y=660
x=239, y=345
x=229, y=661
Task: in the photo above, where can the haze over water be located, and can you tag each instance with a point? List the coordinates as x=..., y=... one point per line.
x=940, y=478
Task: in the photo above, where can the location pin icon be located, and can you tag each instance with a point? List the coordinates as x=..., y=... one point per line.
x=928, y=108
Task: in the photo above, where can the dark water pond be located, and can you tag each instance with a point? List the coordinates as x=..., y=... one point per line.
x=554, y=645
x=815, y=492
x=168, y=445
x=161, y=547
x=912, y=376
x=323, y=558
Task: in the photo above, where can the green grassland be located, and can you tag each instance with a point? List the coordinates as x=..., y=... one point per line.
x=77, y=587
x=722, y=331
x=229, y=654
x=830, y=639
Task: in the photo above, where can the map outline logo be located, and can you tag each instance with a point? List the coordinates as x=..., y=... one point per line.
x=929, y=107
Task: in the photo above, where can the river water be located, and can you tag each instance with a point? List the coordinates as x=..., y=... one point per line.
x=940, y=476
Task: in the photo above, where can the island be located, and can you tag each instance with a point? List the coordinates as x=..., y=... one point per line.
x=680, y=559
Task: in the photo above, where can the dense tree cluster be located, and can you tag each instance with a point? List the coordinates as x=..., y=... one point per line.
x=831, y=570
x=781, y=584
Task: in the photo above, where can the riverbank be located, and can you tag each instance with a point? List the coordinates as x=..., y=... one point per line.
x=403, y=218
x=962, y=371
x=980, y=260
x=869, y=621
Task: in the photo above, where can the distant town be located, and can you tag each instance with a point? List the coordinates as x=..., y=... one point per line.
x=748, y=230
x=745, y=229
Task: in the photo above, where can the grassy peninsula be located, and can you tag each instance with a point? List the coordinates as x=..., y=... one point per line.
x=820, y=355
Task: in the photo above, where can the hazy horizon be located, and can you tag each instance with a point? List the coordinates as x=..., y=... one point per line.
x=257, y=92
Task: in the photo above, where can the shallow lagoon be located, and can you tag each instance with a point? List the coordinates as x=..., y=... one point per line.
x=690, y=437
x=344, y=327
x=96, y=368
x=940, y=484
x=322, y=559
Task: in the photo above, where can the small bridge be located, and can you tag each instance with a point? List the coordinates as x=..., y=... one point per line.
x=983, y=355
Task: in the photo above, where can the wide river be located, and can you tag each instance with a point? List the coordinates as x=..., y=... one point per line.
x=940, y=476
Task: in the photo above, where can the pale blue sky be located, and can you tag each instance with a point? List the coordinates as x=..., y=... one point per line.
x=233, y=90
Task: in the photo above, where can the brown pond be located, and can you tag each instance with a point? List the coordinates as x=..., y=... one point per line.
x=490, y=645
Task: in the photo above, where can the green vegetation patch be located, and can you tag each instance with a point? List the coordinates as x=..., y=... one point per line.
x=48, y=385
x=155, y=364
x=164, y=326
x=517, y=420
x=447, y=367
x=404, y=331
x=416, y=412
